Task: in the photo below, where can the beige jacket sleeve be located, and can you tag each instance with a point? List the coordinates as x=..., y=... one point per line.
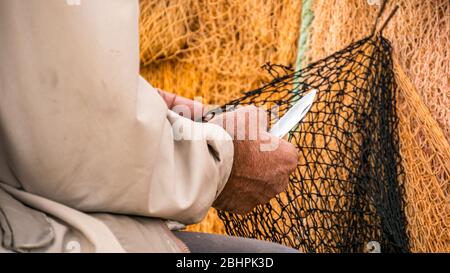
x=79, y=126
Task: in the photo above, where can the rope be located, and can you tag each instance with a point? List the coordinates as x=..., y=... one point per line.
x=306, y=20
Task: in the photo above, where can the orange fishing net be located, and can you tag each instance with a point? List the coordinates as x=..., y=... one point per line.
x=215, y=48
x=426, y=156
x=419, y=33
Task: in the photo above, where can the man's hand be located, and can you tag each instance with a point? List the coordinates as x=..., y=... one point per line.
x=258, y=173
x=187, y=108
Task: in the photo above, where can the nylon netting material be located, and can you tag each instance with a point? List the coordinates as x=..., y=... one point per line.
x=347, y=192
x=214, y=48
x=425, y=157
x=419, y=35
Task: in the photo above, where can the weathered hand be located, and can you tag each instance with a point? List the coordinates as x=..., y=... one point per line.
x=258, y=172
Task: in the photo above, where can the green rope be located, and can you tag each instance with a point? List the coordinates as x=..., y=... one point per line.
x=302, y=44
x=307, y=17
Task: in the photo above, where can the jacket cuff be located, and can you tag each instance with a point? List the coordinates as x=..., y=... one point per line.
x=222, y=147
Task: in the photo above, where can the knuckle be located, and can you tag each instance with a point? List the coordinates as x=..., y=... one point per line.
x=289, y=149
x=293, y=160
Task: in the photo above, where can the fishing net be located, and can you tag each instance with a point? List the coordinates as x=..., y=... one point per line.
x=419, y=35
x=215, y=48
x=419, y=32
x=347, y=192
x=425, y=157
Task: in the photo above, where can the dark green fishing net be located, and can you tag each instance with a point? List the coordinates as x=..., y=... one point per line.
x=347, y=192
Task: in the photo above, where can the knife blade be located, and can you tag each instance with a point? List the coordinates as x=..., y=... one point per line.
x=294, y=115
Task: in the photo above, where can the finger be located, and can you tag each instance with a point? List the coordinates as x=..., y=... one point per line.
x=290, y=153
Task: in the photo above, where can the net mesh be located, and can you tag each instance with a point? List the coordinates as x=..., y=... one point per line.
x=347, y=192
x=419, y=35
x=419, y=32
x=215, y=48
x=425, y=157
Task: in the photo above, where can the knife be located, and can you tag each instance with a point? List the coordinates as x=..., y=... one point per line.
x=294, y=115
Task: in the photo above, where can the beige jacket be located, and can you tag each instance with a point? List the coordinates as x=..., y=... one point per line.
x=88, y=155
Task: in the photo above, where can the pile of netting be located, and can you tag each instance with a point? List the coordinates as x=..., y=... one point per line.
x=214, y=48
x=347, y=192
x=419, y=35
